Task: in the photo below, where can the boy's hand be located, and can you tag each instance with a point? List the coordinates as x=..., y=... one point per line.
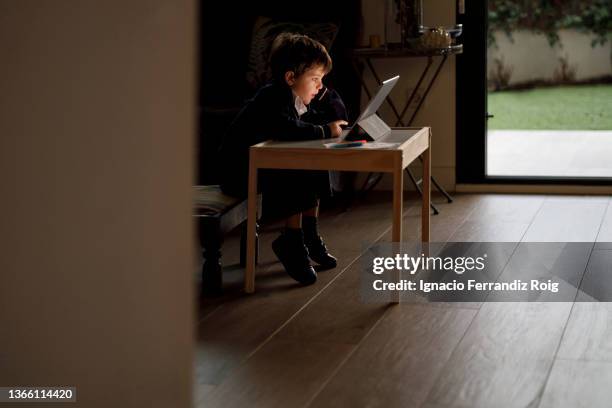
x=335, y=128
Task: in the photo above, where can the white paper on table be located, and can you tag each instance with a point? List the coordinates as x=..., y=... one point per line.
x=379, y=145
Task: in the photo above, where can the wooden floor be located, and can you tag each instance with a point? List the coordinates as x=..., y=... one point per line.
x=320, y=346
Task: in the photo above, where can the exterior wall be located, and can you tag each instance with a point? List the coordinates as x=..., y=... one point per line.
x=531, y=57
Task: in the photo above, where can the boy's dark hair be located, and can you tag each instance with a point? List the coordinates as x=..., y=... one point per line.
x=297, y=53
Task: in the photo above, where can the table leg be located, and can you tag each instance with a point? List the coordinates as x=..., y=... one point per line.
x=249, y=276
x=425, y=215
x=398, y=191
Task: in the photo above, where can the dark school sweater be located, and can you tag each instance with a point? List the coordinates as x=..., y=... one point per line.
x=271, y=114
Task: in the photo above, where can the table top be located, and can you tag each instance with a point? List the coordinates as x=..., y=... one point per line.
x=398, y=136
x=408, y=144
x=406, y=52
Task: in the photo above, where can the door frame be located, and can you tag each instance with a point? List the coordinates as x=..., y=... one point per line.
x=471, y=110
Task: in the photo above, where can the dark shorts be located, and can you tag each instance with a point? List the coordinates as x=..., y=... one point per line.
x=288, y=192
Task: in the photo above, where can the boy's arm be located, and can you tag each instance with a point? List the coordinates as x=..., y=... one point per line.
x=280, y=121
x=326, y=109
x=289, y=127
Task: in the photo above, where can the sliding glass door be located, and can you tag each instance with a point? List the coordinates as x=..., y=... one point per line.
x=534, y=102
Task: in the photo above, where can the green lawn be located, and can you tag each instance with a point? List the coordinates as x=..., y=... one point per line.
x=577, y=107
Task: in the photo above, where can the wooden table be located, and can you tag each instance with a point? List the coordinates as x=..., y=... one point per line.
x=313, y=155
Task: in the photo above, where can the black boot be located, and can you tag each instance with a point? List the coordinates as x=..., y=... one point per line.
x=317, y=251
x=290, y=250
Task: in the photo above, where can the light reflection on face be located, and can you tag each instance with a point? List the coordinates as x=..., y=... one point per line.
x=307, y=85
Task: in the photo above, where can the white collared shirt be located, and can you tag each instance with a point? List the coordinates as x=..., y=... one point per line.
x=300, y=107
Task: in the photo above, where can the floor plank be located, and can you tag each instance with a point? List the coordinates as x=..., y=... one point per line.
x=578, y=384
x=225, y=339
x=284, y=373
x=444, y=224
x=589, y=333
x=567, y=219
x=504, y=358
x=604, y=237
x=397, y=364
x=200, y=393
x=338, y=315
x=597, y=282
x=499, y=218
x=563, y=263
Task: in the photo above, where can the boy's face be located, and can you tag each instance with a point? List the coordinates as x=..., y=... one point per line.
x=307, y=85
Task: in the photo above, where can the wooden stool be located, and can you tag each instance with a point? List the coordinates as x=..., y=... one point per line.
x=217, y=215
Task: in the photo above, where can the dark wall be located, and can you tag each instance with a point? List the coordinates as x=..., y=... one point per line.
x=225, y=40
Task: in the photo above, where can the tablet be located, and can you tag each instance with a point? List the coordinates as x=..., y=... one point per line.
x=372, y=106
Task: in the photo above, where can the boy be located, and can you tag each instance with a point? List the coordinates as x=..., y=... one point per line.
x=294, y=106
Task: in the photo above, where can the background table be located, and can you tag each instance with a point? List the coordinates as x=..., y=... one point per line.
x=366, y=55
x=313, y=155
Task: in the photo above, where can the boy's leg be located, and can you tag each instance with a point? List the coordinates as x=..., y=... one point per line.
x=317, y=251
x=295, y=195
x=290, y=249
x=312, y=212
x=294, y=221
